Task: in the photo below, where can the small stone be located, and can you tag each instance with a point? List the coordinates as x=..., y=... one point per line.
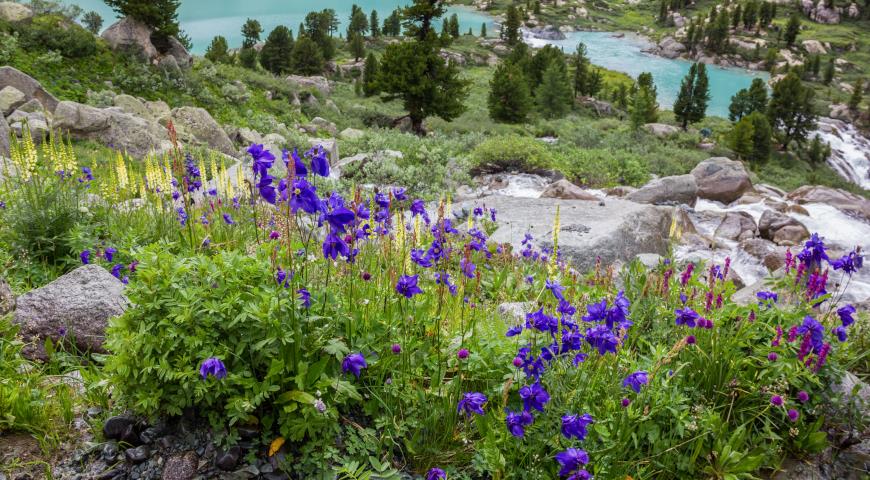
x=267, y=468
x=93, y=412
x=227, y=460
x=276, y=476
x=181, y=467
x=110, y=452
x=129, y=436
x=137, y=455
x=248, y=432
x=149, y=435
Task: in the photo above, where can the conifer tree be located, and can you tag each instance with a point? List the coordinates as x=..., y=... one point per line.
x=740, y=138
x=761, y=134
x=829, y=72
x=358, y=24
x=509, y=98
x=746, y=101
x=581, y=71
x=790, y=110
x=357, y=47
x=691, y=103
x=218, y=50
x=374, y=24
x=792, y=29
x=857, y=95
x=318, y=26
x=307, y=58
x=511, y=29
x=553, y=96
x=370, y=76
x=483, y=30
x=644, y=106
x=93, y=22
x=161, y=16
x=276, y=55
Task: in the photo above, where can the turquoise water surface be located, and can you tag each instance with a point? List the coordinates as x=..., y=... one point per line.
x=203, y=19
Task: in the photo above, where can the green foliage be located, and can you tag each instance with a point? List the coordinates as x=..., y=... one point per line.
x=541, y=61
x=251, y=31
x=857, y=95
x=374, y=24
x=277, y=52
x=318, y=26
x=509, y=97
x=218, y=50
x=818, y=151
x=160, y=15
x=510, y=32
x=307, y=57
x=511, y=153
x=358, y=24
x=792, y=29
x=691, y=103
x=93, y=22
x=553, y=96
x=54, y=32
x=248, y=58
x=644, y=107
x=357, y=47
x=746, y=101
x=371, y=71
x=791, y=110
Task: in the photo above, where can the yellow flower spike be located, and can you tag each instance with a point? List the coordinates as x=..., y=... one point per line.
x=557, y=225
x=214, y=168
x=275, y=446
x=202, y=171
x=417, y=230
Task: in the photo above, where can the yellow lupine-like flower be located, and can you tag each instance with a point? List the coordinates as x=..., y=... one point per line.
x=123, y=179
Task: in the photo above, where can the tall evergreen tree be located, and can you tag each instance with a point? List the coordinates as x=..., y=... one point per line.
x=358, y=23
x=761, y=134
x=736, y=16
x=374, y=24
x=276, y=55
x=750, y=15
x=663, y=12
x=357, y=46
x=717, y=34
x=307, y=58
x=691, y=103
x=93, y=22
x=510, y=31
x=553, y=96
x=829, y=72
x=581, y=71
x=791, y=109
x=454, y=25
x=746, y=101
x=414, y=72
x=317, y=28
x=792, y=29
x=740, y=138
x=370, y=76
x=644, y=106
x=251, y=31
x=509, y=98
x=542, y=60
x=857, y=95
x=218, y=50
x=483, y=30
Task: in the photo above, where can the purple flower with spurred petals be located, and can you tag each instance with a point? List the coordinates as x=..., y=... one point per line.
x=596, y=312
x=767, y=297
x=841, y=334
x=299, y=168
x=116, y=270
x=574, y=426
x=601, y=338
x=85, y=256
x=472, y=402
x=845, y=313
x=636, y=380
x=262, y=157
x=534, y=396
x=400, y=194
x=467, y=268
x=407, y=286
x=319, y=161
x=554, y=287
x=688, y=317
x=850, y=263
x=436, y=474
x=228, y=219
x=213, y=367
x=572, y=461
x=334, y=245
x=305, y=296
x=517, y=422
x=109, y=254
x=354, y=363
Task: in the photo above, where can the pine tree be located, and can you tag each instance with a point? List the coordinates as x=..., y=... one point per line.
x=717, y=35
x=414, y=72
x=553, y=96
x=251, y=31
x=620, y=96
x=307, y=58
x=358, y=24
x=374, y=24
x=93, y=22
x=829, y=72
x=644, y=108
x=746, y=101
x=792, y=29
x=750, y=15
x=277, y=51
x=790, y=110
x=509, y=98
x=218, y=50
x=761, y=133
x=857, y=95
x=483, y=30
x=542, y=60
x=596, y=82
x=161, y=16
x=740, y=138
x=318, y=26
x=663, y=12
x=581, y=71
x=691, y=103
x=454, y=25
x=370, y=76
x=357, y=47
x=736, y=17
x=511, y=29
x=818, y=151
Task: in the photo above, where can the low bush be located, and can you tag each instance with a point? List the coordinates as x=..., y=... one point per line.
x=511, y=152
x=55, y=32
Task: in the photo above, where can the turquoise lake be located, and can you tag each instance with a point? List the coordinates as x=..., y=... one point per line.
x=203, y=19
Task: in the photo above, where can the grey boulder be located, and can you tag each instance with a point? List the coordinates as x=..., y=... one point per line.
x=9, y=76
x=781, y=229
x=566, y=190
x=676, y=190
x=10, y=99
x=78, y=305
x=7, y=298
x=112, y=127
x=195, y=125
x=721, y=179
x=736, y=226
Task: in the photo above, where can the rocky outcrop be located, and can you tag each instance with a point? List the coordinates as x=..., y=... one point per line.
x=195, y=125
x=14, y=12
x=10, y=99
x=318, y=83
x=565, y=190
x=77, y=306
x=674, y=190
x=7, y=299
x=781, y=229
x=815, y=47
x=351, y=134
x=736, y=226
x=661, y=130
x=28, y=86
x=616, y=231
x=669, y=47
x=112, y=127
x=846, y=202
x=721, y=179
x=4, y=138
x=131, y=36
x=547, y=32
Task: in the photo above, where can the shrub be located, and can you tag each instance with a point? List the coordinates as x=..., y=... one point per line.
x=54, y=32
x=511, y=152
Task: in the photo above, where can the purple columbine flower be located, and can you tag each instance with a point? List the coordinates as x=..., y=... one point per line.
x=262, y=157
x=572, y=461
x=688, y=317
x=636, y=380
x=305, y=297
x=850, y=263
x=471, y=402
x=467, y=268
x=776, y=401
x=517, y=422
x=354, y=363
x=109, y=254
x=228, y=219
x=116, y=270
x=596, y=312
x=554, y=287
x=767, y=297
x=841, y=334
x=407, y=286
x=845, y=313
x=334, y=245
x=601, y=338
x=319, y=161
x=534, y=396
x=436, y=474
x=299, y=168
x=574, y=426
x=85, y=256
x=214, y=367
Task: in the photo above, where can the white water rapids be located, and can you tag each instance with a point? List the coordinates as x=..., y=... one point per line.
x=850, y=151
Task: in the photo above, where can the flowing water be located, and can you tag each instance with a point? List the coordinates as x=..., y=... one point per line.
x=850, y=151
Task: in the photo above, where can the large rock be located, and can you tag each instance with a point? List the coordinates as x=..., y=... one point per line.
x=317, y=83
x=133, y=106
x=721, y=179
x=197, y=125
x=131, y=36
x=814, y=47
x=14, y=12
x=661, y=130
x=4, y=140
x=617, y=232
x=10, y=99
x=736, y=226
x=671, y=48
x=566, y=190
x=27, y=85
x=159, y=111
x=112, y=127
x=176, y=50
x=77, y=305
x=7, y=299
x=781, y=229
x=842, y=200
x=667, y=191
x=772, y=256
x=351, y=134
